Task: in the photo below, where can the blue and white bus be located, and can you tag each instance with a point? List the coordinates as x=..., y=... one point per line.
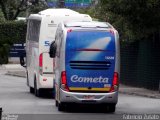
x=87, y=64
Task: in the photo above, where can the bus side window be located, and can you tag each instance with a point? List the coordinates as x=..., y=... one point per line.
x=33, y=30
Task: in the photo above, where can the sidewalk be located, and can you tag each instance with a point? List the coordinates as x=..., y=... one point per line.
x=14, y=70
x=18, y=70
x=138, y=91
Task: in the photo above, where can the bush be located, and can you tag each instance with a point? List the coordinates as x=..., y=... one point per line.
x=10, y=32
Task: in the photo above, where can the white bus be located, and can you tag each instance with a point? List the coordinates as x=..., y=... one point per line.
x=41, y=30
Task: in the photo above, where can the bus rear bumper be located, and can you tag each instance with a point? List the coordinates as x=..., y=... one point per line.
x=95, y=98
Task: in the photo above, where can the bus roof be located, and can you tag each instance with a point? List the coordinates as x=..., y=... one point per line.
x=93, y=24
x=54, y=12
x=57, y=11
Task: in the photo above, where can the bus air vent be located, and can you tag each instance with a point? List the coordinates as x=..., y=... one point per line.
x=90, y=65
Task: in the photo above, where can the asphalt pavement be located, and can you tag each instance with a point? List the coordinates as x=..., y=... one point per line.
x=17, y=102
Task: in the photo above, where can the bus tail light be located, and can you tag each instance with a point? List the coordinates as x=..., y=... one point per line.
x=111, y=31
x=115, y=82
x=69, y=30
x=41, y=63
x=64, y=81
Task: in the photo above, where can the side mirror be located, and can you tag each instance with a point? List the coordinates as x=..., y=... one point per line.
x=52, y=50
x=22, y=62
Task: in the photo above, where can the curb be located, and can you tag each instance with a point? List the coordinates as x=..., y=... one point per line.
x=17, y=74
x=140, y=94
x=2, y=67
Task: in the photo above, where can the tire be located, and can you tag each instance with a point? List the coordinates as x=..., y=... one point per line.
x=159, y=87
x=111, y=108
x=31, y=90
x=36, y=91
x=61, y=106
x=27, y=78
x=56, y=103
x=53, y=93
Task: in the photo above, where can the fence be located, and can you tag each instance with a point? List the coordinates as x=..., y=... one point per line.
x=140, y=64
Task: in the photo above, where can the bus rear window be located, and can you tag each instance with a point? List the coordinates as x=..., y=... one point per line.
x=101, y=40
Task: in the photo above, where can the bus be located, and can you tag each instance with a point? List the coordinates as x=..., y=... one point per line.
x=87, y=64
x=41, y=30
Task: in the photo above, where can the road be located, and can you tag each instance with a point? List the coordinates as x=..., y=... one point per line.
x=16, y=99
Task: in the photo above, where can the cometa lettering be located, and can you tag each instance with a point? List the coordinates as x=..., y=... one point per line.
x=76, y=78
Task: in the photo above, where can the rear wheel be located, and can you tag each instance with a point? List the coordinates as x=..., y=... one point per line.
x=31, y=90
x=56, y=103
x=111, y=108
x=36, y=91
x=159, y=87
x=61, y=106
x=53, y=93
x=27, y=78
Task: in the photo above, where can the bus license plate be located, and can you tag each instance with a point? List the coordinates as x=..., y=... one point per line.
x=89, y=97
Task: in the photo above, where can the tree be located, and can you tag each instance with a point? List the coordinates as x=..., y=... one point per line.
x=38, y=6
x=139, y=17
x=12, y=8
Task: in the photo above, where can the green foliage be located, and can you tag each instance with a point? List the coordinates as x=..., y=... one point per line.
x=136, y=19
x=94, y=12
x=38, y=7
x=4, y=50
x=91, y=11
x=10, y=32
x=2, y=19
x=14, y=8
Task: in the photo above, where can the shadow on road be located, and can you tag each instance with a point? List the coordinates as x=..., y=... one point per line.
x=91, y=108
x=46, y=94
